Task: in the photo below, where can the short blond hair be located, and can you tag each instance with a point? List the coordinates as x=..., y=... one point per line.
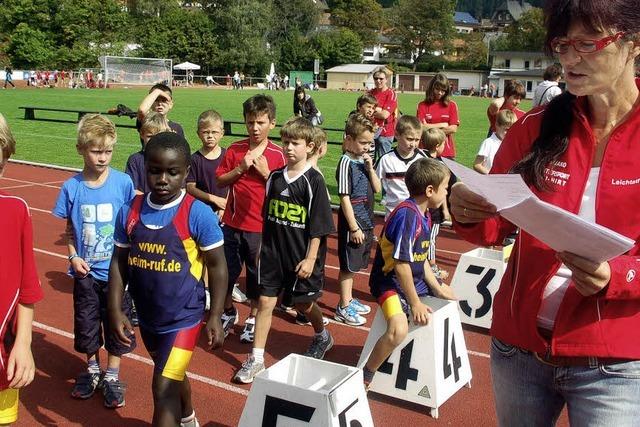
x=298, y=128
x=357, y=124
x=96, y=130
x=432, y=138
x=319, y=139
x=7, y=141
x=208, y=118
x=506, y=118
x=154, y=123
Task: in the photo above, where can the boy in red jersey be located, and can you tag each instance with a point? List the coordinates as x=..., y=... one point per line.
x=245, y=167
x=20, y=290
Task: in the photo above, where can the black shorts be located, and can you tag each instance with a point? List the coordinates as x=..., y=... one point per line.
x=90, y=321
x=352, y=257
x=273, y=278
x=242, y=247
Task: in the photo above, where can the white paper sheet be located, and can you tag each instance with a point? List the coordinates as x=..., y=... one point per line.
x=559, y=229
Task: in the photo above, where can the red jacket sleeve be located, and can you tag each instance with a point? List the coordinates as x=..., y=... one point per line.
x=227, y=163
x=30, y=288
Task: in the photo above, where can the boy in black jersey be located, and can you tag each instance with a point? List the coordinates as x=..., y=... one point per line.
x=297, y=220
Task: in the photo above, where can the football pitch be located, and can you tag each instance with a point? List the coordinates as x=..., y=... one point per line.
x=54, y=142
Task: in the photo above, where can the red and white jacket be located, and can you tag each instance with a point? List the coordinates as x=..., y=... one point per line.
x=606, y=324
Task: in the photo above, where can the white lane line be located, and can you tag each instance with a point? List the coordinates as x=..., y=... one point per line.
x=47, y=211
x=42, y=251
x=31, y=183
x=147, y=361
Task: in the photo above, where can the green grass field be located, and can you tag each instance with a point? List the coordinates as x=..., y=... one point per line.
x=54, y=143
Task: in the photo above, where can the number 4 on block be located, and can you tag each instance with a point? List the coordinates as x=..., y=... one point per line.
x=430, y=365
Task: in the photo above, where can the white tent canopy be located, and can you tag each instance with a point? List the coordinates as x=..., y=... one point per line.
x=186, y=66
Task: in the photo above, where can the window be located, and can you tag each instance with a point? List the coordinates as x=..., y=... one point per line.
x=537, y=63
x=526, y=65
x=529, y=85
x=507, y=63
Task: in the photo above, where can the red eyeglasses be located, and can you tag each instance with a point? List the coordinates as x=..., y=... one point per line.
x=559, y=45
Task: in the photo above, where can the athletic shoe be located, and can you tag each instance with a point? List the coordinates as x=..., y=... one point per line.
x=359, y=307
x=113, y=392
x=302, y=320
x=228, y=320
x=319, y=347
x=284, y=308
x=86, y=384
x=237, y=295
x=249, y=330
x=349, y=316
x=440, y=274
x=250, y=368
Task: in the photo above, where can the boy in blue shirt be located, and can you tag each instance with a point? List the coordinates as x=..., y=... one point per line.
x=401, y=272
x=357, y=183
x=163, y=242
x=89, y=202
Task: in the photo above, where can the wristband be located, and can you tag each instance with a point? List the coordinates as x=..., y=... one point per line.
x=70, y=257
x=357, y=229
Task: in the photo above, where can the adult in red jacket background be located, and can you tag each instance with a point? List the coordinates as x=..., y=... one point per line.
x=567, y=330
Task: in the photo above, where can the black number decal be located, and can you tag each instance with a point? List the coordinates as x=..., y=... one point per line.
x=342, y=417
x=457, y=361
x=483, y=290
x=405, y=371
x=274, y=406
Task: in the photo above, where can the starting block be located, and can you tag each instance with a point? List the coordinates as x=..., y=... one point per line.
x=300, y=391
x=476, y=281
x=430, y=365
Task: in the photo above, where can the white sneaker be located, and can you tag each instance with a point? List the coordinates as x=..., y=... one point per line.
x=237, y=295
x=249, y=330
x=250, y=368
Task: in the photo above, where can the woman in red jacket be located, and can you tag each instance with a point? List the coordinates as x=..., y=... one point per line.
x=438, y=111
x=566, y=330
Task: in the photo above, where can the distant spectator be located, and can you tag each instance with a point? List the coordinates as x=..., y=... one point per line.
x=548, y=89
x=304, y=106
x=8, y=77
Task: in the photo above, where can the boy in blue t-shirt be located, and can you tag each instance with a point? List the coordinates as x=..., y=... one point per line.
x=89, y=202
x=401, y=273
x=163, y=242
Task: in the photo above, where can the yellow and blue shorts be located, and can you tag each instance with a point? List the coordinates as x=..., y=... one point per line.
x=8, y=406
x=171, y=352
x=392, y=303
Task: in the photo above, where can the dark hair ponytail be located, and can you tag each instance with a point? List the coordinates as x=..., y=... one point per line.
x=551, y=143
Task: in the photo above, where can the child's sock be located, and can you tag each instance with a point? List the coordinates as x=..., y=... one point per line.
x=188, y=418
x=93, y=367
x=324, y=334
x=230, y=311
x=258, y=354
x=111, y=374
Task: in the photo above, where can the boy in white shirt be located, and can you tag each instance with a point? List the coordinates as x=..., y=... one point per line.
x=489, y=147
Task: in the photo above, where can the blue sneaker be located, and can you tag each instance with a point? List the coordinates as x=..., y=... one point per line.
x=349, y=316
x=359, y=307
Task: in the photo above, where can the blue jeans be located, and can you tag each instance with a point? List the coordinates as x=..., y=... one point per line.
x=383, y=145
x=529, y=392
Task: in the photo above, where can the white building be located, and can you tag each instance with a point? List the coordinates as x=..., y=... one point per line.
x=520, y=61
x=351, y=76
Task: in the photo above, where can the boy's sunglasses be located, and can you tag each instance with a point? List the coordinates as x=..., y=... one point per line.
x=559, y=45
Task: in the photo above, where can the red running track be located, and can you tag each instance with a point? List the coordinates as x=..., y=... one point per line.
x=218, y=402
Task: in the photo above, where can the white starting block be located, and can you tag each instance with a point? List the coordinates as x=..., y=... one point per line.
x=430, y=365
x=476, y=281
x=300, y=391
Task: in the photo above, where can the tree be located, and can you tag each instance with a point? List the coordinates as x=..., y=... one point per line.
x=422, y=27
x=243, y=27
x=295, y=53
x=363, y=17
x=29, y=47
x=526, y=34
x=341, y=46
x=474, y=51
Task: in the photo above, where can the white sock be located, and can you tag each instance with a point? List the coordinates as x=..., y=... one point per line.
x=258, y=355
x=189, y=418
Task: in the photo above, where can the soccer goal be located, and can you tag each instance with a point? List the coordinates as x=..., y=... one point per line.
x=126, y=70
